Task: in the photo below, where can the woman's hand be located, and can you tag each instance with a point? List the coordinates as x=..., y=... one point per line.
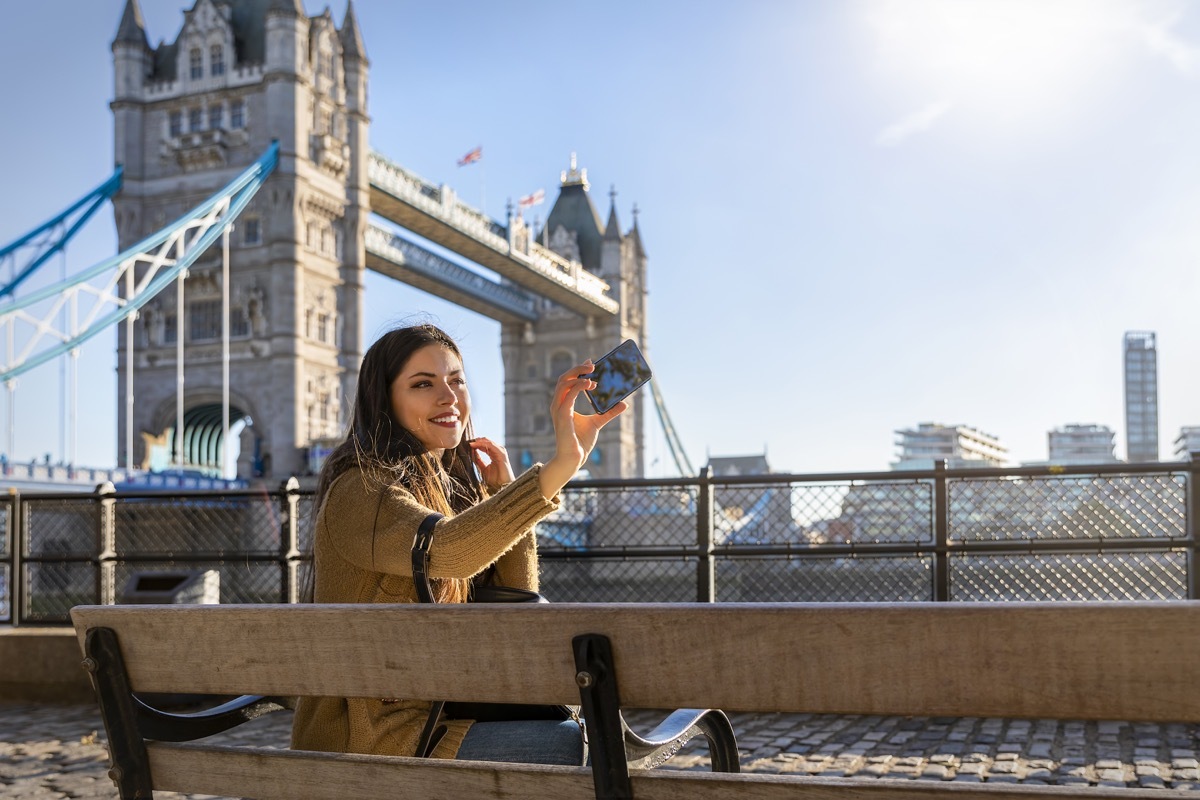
x=574, y=434
x=492, y=461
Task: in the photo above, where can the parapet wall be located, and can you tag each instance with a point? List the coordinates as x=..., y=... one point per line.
x=42, y=665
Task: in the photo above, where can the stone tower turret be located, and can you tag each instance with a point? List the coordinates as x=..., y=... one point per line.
x=190, y=115
x=535, y=354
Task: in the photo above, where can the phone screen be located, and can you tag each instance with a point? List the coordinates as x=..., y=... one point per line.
x=618, y=374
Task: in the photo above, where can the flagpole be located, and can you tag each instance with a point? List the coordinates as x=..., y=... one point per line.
x=482, y=187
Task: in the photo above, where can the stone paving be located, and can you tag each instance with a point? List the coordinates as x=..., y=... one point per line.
x=59, y=751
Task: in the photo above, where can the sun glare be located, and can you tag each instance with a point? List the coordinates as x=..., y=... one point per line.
x=1012, y=60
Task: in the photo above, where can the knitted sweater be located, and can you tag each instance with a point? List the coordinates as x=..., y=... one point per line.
x=363, y=554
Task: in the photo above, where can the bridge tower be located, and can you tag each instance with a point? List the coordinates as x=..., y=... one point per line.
x=536, y=353
x=187, y=117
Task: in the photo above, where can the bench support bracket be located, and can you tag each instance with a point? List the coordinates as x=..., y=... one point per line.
x=596, y=675
x=130, y=765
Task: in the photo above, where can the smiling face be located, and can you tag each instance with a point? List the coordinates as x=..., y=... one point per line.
x=430, y=398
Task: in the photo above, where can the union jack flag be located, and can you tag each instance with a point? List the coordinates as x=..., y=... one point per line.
x=471, y=157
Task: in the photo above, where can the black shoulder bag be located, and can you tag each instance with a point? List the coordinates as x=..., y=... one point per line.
x=479, y=593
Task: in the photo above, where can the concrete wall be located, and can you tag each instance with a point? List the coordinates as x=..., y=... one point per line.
x=42, y=665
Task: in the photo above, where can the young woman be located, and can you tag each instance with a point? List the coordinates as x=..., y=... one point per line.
x=410, y=452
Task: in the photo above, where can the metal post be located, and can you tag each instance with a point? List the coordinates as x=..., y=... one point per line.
x=106, y=544
x=1192, y=521
x=290, y=541
x=16, y=583
x=941, y=564
x=706, y=568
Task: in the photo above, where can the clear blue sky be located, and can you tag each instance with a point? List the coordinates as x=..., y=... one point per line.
x=859, y=215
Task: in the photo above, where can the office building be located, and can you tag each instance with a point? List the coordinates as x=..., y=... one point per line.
x=1141, y=397
x=960, y=446
x=1082, y=444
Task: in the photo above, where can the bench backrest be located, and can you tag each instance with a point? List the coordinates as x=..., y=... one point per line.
x=1134, y=661
x=1064, y=660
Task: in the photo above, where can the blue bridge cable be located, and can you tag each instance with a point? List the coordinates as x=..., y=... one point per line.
x=242, y=189
x=682, y=462
x=93, y=200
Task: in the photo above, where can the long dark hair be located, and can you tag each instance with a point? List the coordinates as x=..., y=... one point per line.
x=389, y=455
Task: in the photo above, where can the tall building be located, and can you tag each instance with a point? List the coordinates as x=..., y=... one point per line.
x=1141, y=397
x=536, y=353
x=1187, y=443
x=960, y=446
x=1082, y=444
x=188, y=116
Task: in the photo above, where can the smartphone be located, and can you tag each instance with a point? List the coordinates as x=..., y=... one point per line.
x=618, y=374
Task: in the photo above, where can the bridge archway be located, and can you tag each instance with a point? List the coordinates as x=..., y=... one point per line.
x=199, y=447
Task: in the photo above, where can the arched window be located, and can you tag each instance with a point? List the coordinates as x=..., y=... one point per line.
x=216, y=59
x=560, y=362
x=196, y=61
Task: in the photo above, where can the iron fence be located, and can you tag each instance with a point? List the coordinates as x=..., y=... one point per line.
x=1101, y=532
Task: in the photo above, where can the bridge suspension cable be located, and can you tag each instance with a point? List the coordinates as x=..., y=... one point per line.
x=53, y=235
x=682, y=463
x=163, y=256
x=115, y=289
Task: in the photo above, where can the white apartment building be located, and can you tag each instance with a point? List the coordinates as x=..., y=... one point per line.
x=960, y=446
x=1187, y=443
x=1082, y=444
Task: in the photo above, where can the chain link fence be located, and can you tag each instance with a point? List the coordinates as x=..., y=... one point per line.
x=1114, y=532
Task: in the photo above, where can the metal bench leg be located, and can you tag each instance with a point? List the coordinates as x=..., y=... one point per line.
x=130, y=765
x=597, y=680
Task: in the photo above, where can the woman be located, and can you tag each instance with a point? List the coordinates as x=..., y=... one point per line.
x=410, y=452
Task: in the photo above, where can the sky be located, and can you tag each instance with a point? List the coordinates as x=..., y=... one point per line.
x=860, y=215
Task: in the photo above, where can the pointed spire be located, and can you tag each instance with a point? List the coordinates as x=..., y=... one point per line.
x=133, y=28
x=352, y=43
x=292, y=8
x=612, y=231
x=636, y=235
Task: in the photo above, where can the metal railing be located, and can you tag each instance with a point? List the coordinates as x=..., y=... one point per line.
x=1100, y=532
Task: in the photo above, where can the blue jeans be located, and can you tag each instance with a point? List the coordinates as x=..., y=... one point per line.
x=525, y=742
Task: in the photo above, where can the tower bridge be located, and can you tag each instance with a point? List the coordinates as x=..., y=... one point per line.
x=268, y=327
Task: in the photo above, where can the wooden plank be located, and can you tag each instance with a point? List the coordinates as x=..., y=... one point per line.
x=282, y=775
x=1049, y=660
x=267, y=774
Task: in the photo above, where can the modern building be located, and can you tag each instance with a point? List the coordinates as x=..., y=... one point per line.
x=1141, y=397
x=1187, y=443
x=1082, y=444
x=960, y=446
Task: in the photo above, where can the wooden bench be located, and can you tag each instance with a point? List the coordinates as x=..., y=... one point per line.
x=1114, y=661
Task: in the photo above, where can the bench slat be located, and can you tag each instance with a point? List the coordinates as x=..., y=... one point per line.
x=1048, y=660
x=268, y=774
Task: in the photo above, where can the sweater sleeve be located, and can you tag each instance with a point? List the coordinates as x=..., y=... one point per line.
x=375, y=527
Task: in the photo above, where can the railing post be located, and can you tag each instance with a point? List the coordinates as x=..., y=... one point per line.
x=290, y=541
x=706, y=568
x=941, y=517
x=106, y=544
x=1191, y=516
x=16, y=579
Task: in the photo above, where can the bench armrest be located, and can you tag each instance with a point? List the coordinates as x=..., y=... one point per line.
x=681, y=726
x=168, y=726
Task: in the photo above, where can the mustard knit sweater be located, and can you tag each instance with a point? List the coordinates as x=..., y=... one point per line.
x=363, y=554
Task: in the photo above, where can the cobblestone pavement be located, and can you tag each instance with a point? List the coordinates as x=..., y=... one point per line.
x=59, y=751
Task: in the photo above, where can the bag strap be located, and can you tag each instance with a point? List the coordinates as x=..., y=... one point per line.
x=433, y=730
x=420, y=557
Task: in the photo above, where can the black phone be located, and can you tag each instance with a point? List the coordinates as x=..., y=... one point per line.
x=618, y=374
